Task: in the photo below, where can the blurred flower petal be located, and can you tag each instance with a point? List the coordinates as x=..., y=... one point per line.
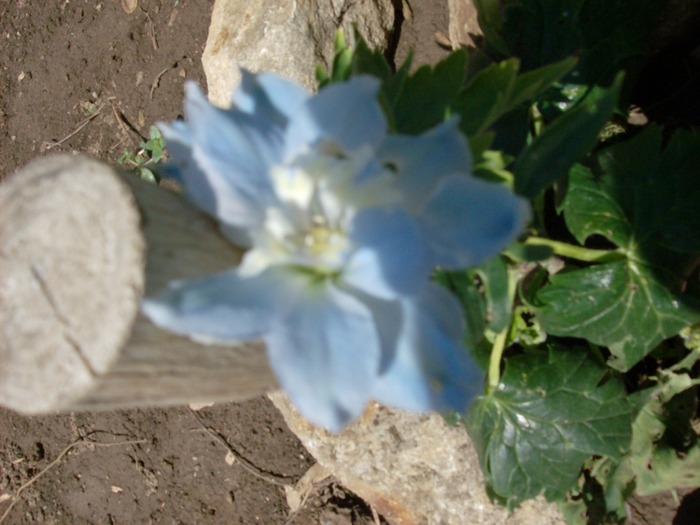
x=232, y=149
x=422, y=161
x=431, y=370
x=344, y=226
x=468, y=220
x=325, y=352
x=345, y=114
x=269, y=97
x=391, y=259
x=221, y=308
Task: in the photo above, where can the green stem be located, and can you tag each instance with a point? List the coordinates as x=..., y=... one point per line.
x=499, y=343
x=576, y=252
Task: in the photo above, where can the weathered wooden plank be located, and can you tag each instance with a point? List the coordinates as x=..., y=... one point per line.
x=80, y=242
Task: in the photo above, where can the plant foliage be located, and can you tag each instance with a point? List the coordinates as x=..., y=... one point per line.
x=587, y=327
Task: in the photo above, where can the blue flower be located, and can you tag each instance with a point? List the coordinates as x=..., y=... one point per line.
x=343, y=224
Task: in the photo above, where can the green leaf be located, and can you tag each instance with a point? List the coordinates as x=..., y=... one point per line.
x=563, y=142
x=322, y=77
x=492, y=277
x=643, y=199
x=527, y=253
x=620, y=305
x=608, y=36
x=483, y=292
x=369, y=62
x=125, y=157
x=147, y=175
x=472, y=300
x=532, y=84
x=657, y=461
x=526, y=330
x=486, y=97
x=542, y=31
x=428, y=94
x=366, y=61
x=154, y=134
x=342, y=63
x=490, y=22
x=498, y=89
x=551, y=412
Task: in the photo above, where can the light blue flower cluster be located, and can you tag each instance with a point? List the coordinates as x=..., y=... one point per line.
x=344, y=224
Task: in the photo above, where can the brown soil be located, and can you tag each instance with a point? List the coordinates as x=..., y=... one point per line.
x=69, y=62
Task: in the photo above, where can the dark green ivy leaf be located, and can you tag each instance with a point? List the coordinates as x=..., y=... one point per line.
x=620, y=305
x=644, y=200
x=551, y=412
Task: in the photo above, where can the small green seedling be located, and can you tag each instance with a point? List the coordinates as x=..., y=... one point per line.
x=149, y=153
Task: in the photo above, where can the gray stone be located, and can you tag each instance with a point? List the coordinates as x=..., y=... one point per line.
x=414, y=469
x=289, y=37
x=464, y=25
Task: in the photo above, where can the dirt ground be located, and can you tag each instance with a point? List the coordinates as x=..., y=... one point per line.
x=83, y=75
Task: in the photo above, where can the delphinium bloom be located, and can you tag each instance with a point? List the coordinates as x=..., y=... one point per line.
x=343, y=225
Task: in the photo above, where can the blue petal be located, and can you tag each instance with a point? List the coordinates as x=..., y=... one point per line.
x=422, y=161
x=197, y=186
x=234, y=152
x=346, y=114
x=431, y=370
x=221, y=308
x=269, y=97
x=469, y=220
x=391, y=259
x=325, y=353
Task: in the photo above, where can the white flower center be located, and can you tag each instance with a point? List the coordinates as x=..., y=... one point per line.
x=319, y=194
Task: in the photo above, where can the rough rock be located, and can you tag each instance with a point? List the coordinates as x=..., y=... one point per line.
x=289, y=37
x=414, y=469
x=464, y=25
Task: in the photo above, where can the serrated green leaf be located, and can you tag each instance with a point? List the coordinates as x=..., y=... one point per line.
x=644, y=200
x=551, y=412
x=563, y=142
x=429, y=93
x=369, y=62
x=486, y=97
